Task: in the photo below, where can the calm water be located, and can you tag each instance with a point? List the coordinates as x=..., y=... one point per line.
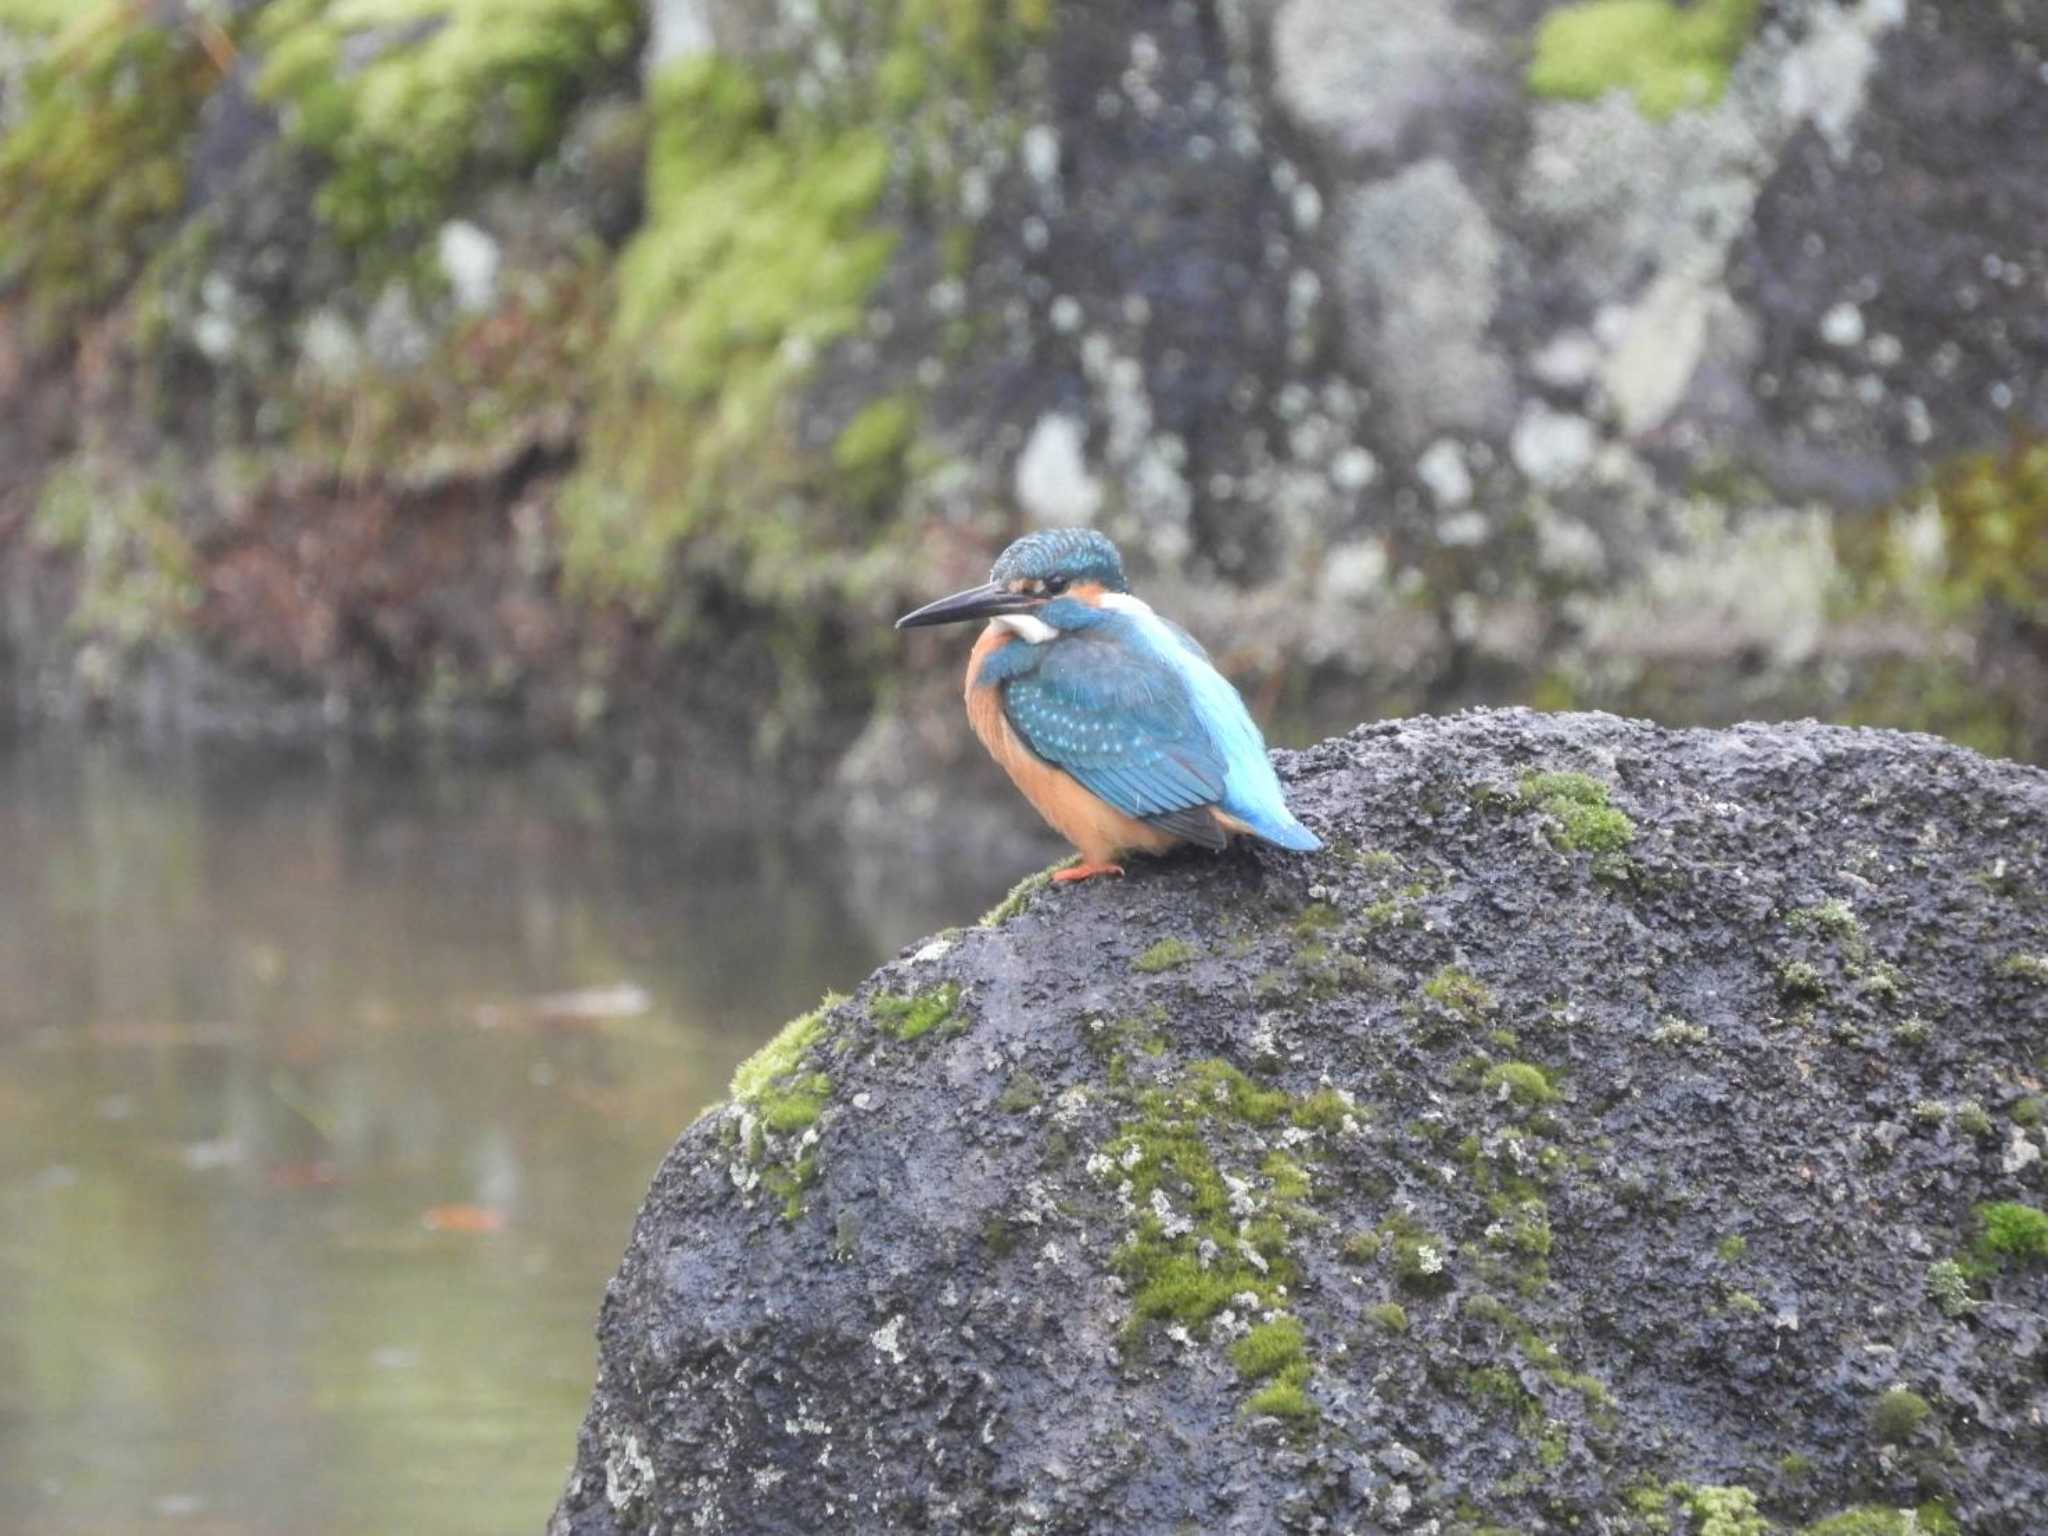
x=325, y=1102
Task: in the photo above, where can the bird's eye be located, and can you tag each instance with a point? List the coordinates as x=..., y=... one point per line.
x=1055, y=585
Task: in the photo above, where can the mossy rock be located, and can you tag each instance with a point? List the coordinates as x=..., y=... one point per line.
x=1666, y=56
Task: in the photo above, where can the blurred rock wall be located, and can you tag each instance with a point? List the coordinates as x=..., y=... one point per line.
x=576, y=367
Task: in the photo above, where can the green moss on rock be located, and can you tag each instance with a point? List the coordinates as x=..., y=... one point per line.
x=1167, y=955
x=911, y=1016
x=2011, y=1231
x=1581, y=818
x=1874, y=1520
x=92, y=171
x=1725, y=1511
x=1459, y=991
x=1897, y=1414
x=1270, y=1347
x=795, y=1106
x=1668, y=57
x=783, y=1055
x=1522, y=1082
x=1019, y=897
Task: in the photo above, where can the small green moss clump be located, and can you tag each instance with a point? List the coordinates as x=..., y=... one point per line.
x=1389, y=1315
x=782, y=1055
x=1667, y=57
x=1731, y=1248
x=1948, y=1287
x=1461, y=992
x=910, y=1016
x=2029, y=1111
x=2012, y=1231
x=1521, y=1082
x=1324, y=1110
x=1021, y=1094
x=1834, y=917
x=1282, y=1399
x=1166, y=955
x=1581, y=818
x=1898, y=1414
x=1316, y=918
x=1019, y=897
x=1421, y=1259
x=1271, y=1347
x=1799, y=981
x=795, y=1106
x=1289, y=1179
x=1874, y=1520
x=1726, y=1512
x=2027, y=967
x=787, y=1101
x=1675, y=1031
x=1224, y=1087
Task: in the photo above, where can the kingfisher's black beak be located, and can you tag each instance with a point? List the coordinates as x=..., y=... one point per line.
x=989, y=600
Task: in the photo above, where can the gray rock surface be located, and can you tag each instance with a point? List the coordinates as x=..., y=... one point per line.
x=1607, y=1108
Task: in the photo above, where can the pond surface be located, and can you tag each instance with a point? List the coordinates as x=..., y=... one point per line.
x=326, y=1099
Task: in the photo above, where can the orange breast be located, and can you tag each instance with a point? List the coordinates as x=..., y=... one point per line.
x=1098, y=829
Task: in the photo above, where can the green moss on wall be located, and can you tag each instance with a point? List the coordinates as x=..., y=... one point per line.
x=1666, y=56
x=37, y=17
x=759, y=252
x=136, y=577
x=449, y=85
x=1994, y=522
x=94, y=166
x=756, y=255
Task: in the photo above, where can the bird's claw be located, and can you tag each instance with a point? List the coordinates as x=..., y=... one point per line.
x=1085, y=871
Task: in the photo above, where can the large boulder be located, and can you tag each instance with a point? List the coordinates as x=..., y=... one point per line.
x=1615, y=1130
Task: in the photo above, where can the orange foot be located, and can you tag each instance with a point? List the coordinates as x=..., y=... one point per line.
x=1085, y=871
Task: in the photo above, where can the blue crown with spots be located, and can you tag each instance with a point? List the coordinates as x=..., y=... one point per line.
x=1078, y=554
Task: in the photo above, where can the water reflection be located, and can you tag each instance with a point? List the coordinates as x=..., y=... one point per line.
x=325, y=1101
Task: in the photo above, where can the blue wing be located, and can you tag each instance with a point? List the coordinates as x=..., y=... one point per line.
x=1120, y=719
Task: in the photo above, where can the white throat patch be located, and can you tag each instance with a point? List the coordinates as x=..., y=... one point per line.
x=1028, y=627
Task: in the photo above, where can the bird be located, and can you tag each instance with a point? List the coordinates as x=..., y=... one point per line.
x=1110, y=719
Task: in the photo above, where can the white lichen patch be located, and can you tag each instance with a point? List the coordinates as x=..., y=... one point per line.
x=628, y=1471
x=1171, y=1222
x=888, y=1339
x=2020, y=1153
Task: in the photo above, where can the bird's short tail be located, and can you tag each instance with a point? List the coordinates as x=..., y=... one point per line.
x=1284, y=831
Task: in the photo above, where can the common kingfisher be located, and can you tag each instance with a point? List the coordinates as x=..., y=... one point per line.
x=1109, y=718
